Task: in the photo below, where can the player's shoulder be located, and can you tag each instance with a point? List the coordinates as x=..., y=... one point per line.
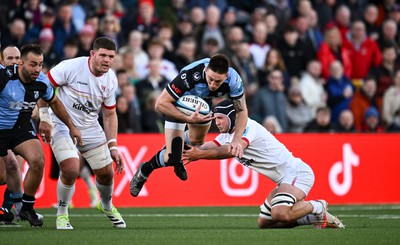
x=198, y=64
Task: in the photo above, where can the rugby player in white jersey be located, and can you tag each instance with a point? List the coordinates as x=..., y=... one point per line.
x=285, y=206
x=86, y=85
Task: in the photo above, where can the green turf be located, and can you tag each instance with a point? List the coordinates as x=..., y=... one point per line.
x=207, y=225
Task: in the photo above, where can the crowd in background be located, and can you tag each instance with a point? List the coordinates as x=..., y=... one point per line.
x=307, y=66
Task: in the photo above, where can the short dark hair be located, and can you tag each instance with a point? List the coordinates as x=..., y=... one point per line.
x=104, y=42
x=219, y=63
x=31, y=48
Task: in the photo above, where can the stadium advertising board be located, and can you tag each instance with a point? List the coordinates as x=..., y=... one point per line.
x=349, y=169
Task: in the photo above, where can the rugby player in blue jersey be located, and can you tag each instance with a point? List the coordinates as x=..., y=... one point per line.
x=207, y=78
x=21, y=86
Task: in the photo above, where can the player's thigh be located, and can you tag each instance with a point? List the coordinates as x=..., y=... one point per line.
x=198, y=132
x=31, y=150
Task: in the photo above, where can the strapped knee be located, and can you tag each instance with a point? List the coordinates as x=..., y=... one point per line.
x=283, y=199
x=176, y=152
x=265, y=210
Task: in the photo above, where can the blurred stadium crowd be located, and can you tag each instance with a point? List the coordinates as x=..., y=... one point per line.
x=308, y=66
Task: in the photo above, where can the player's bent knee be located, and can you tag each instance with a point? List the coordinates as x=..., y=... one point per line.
x=281, y=205
x=263, y=223
x=98, y=157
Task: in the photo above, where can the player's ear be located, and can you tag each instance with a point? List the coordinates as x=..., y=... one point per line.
x=91, y=53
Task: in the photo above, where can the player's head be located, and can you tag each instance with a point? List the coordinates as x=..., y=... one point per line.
x=31, y=62
x=225, y=116
x=102, y=55
x=10, y=55
x=217, y=71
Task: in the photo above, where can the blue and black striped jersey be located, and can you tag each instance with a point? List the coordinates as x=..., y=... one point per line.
x=18, y=99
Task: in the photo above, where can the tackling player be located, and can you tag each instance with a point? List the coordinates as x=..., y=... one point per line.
x=87, y=86
x=285, y=206
x=207, y=79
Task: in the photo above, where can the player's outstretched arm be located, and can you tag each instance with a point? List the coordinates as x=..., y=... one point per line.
x=240, y=126
x=208, y=150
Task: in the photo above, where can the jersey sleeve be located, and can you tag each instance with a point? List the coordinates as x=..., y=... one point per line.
x=179, y=85
x=249, y=134
x=110, y=100
x=220, y=140
x=49, y=94
x=58, y=75
x=235, y=84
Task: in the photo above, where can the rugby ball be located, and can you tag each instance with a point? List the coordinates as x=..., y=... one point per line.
x=188, y=104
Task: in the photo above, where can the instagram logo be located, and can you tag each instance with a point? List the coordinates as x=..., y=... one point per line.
x=350, y=159
x=235, y=184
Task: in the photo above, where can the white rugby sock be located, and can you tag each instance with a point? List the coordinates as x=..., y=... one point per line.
x=317, y=207
x=306, y=220
x=64, y=195
x=106, y=192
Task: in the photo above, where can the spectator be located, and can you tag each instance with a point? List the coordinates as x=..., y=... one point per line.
x=124, y=118
x=259, y=47
x=391, y=100
x=294, y=53
x=13, y=34
x=364, y=98
x=128, y=64
x=198, y=17
x=63, y=28
x=152, y=120
x=70, y=49
x=385, y=72
x=274, y=30
x=322, y=122
x=273, y=61
x=271, y=100
x=395, y=125
x=31, y=12
x=110, y=7
x=389, y=34
x=154, y=81
x=303, y=27
x=173, y=12
x=364, y=51
x=272, y=125
x=209, y=49
x=340, y=90
x=346, y=122
x=144, y=20
x=332, y=49
x=312, y=86
x=369, y=17
x=135, y=114
x=86, y=37
x=46, y=39
x=343, y=20
x=229, y=17
x=110, y=27
x=298, y=113
x=123, y=80
x=211, y=28
x=184, y=30
x=78, y=14
x=141, y=58
x=155, y=49
x=243, y=63
x=185, y=53
x=47, y=20
x=164, y=35
x=314, y=31
x=371, y=121
x=235, y=37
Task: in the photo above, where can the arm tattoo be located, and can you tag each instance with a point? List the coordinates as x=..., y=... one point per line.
x=239, y=104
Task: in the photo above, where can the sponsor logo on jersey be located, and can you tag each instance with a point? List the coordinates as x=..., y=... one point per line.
x=87, y=108
x=36, y=94
x=196, y=76
x=183, y=76
x=22, y=105
x=83, y=83
x=177, y=90
x=103, y=88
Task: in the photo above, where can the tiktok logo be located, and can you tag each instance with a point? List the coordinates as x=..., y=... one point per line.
x=130, y=169
x=350, y=159
x=237, y=185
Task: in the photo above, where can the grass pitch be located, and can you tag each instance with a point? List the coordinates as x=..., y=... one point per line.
x=207, y=225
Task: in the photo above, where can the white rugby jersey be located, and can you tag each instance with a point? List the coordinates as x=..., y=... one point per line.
x=264, y=153
x=82, y=93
